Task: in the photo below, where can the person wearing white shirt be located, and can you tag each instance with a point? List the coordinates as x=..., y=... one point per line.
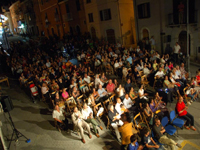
x=87, y=78
x=141, y=93
x=146, y=70
x=120, y=90
x=127, y=102
x=48, y=64
x=177, y=49
x=98, y=81
x=87, y=114
x=59, y=116
x=118, y=106
x=160, y=73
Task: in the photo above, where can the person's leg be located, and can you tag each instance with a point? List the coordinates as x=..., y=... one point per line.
x=86, y=125
x=165, y=140
x=81, y=129
x=191, y=119
x=188, y=120
x=115, y=126
x=94, y=124
x=66, y=123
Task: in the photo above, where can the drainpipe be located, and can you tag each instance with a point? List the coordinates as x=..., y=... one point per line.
x=188, y=55
x=120, y=22
x=161, y=29
x=61, y=19
x=136, y=20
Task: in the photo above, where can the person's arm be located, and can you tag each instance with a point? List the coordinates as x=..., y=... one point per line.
x=58, y=120
x=146, y=113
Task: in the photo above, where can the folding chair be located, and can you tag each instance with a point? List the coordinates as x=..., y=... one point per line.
x=138, y=122
x=176, y=121
x=99, y=111
x=90, y=86
x=145, y=119
x=71, y=103
x=169, y=128
x=111, y=97
x=106, y=103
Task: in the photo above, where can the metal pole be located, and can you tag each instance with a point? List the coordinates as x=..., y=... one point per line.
x=188, y=56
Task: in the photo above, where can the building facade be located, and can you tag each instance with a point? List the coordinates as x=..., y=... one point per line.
x=15, y=14
x=166, y=20
x=111, y=20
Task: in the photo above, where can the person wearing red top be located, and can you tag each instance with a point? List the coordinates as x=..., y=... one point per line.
x=182, y=112
x=198, y=77
x=110, y=87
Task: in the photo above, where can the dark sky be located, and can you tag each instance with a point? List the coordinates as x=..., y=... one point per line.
x=6, y=2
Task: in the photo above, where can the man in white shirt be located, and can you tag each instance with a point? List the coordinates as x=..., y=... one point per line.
x=146, y=70
x=88, y=117
x=160, y=73
x=128, y=103
x=59, y=116
x=118, y=106
x=177, y=49
x=48, y=64
x=86, y=78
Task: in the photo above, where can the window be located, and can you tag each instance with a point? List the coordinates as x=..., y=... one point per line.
x=90, y=16
x=88, y=1
x=56, y=11
x=67, y=8
x=144, y=10
x=78, y=7
x=105, y=14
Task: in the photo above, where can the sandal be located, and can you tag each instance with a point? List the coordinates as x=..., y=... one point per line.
x=188, y=128
x=193, y=128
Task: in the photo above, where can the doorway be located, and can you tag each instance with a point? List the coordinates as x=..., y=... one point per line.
x=145, y=33
x=93, y=33
x=182, y=40
x=110, y=36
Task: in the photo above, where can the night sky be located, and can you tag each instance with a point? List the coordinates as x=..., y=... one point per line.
x=5, y=2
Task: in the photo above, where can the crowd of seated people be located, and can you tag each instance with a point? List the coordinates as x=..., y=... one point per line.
x=88, y=86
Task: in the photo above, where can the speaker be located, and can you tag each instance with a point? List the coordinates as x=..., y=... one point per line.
x=6, y=103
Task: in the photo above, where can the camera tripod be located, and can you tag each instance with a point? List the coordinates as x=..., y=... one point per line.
x=16, y=132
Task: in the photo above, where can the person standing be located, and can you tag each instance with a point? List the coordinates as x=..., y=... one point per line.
x=177, y=49
x=153, y=43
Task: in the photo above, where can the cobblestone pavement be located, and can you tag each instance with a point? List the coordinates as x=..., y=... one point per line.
x=35, y=121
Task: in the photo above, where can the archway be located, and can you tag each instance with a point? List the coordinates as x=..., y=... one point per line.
x=52, y=31
x=71, y=30
x=110, y=36
x=182, y=40
x=78, y=30
x=145, y=33
x=93, y=33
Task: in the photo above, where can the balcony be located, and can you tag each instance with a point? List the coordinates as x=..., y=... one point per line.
x=57, y=19
x=47, y=23
x=67, y=17
x=174, y=19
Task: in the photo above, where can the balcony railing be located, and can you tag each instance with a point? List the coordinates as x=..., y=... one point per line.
x=57, y=19
x=67, y=17
x=181, y=19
